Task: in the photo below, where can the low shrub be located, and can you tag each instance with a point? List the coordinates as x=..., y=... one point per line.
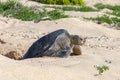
x=62, y=2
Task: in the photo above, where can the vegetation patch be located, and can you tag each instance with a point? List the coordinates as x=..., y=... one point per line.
x=115, y=20
x=62, y=2
x=56, y=14
x=115, y=13
x=109, y=20
x=102, y=6
x=102, y=69
x=75, y=8
x=19, y=11
x=115, y=9
x=82, y=9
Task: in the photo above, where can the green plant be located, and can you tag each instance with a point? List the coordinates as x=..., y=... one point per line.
x=101, y=69
x=102, y=19
x=62, y=2
x=102, y=6
x=74, y=8
x=115, y=10
x=106, y=19
x=17, y=10
x=115, y=13
x=82, y=9
x=57, y=14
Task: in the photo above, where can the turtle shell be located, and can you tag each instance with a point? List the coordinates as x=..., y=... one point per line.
x=38, y=48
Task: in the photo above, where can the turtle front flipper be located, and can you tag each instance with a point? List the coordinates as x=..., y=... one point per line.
x=77, y=50
x=63, y=52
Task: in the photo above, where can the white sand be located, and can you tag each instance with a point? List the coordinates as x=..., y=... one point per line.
x=102, y=46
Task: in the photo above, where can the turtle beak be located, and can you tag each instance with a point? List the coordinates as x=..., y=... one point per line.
x=82, y=41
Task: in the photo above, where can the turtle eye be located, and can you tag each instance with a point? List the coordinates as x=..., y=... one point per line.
x=81, y=39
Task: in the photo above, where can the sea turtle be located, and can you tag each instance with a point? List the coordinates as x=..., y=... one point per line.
x=56, y=44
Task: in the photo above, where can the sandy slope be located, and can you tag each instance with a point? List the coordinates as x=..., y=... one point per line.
x=101, y=48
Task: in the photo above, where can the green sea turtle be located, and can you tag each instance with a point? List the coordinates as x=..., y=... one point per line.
x=56, y=44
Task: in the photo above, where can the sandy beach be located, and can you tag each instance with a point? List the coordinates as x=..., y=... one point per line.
x=102, y=47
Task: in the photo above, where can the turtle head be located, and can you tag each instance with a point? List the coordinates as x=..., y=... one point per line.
x=77, y=40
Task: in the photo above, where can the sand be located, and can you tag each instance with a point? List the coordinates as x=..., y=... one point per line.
x=102, y=47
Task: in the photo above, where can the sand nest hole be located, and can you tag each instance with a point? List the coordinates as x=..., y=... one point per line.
x=14, y=55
